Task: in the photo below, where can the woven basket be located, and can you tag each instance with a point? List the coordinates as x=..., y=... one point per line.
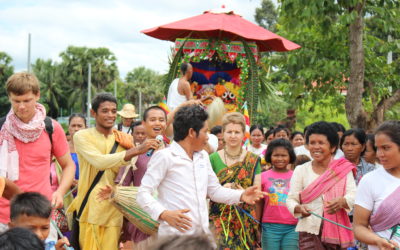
x=125, y=201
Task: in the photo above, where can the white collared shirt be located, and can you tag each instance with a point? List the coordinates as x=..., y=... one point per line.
x=182, y=183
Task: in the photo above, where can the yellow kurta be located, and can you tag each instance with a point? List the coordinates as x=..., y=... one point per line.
x=93, y=150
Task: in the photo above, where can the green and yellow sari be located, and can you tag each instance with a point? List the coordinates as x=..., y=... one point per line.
x=234, y=228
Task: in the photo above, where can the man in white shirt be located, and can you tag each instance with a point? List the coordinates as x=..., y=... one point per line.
x=183, y=176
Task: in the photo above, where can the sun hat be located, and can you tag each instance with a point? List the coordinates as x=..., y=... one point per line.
x=128, y=111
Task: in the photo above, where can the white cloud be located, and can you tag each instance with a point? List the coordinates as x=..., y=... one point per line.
x=56, y=24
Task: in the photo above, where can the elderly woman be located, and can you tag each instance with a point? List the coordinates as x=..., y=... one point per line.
x=353, y=144
x=377, y=203
x=235, y=168
x=325, y=187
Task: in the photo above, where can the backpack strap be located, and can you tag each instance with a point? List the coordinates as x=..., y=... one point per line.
x=130, y=129
x=2, y=121
x=94, y=183
x=48, y=123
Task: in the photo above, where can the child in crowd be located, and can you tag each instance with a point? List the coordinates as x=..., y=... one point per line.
x=20, y=239
x=138, y=133
x=300, y=160
x=278, y=225
x=281, y=132
x=32, y=210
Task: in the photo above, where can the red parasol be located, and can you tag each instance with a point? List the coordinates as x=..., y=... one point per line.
x=227, y=25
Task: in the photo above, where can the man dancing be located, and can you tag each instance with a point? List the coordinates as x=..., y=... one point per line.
x=184, y=179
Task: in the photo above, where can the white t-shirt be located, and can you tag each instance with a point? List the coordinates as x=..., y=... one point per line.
x=258, y=151
x=339, y=154
x=302, y=150
x=124, y=129
x=372, y=190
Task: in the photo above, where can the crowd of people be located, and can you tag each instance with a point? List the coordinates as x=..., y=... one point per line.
x=323, y=188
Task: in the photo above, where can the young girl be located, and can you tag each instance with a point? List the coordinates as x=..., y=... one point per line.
x=278, y=225
x=256, y=138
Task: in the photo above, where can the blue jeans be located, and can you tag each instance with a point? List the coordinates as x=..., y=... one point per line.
x=279, y=237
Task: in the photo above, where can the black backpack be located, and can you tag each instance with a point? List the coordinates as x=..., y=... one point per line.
x=119, y=128
x=47, y=122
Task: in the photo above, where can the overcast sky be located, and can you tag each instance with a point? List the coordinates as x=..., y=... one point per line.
x=56, y=24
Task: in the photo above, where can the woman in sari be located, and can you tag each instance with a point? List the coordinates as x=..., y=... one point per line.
x=377, y=203
x=235, y=168
x=324, y=187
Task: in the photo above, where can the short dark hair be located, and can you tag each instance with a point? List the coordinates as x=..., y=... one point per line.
x=136, y=123
x=280, y=143
x=269, y=132
x=184, y=67
x=216, y=130
x=323, y=128
x=183, y=242
x=19, y=238
x=371, y=138
x=102, y=97
x=301, y=159
x=256, y=126
x=358, y=133
x=390, y=129
x=146, y=112
x=296, y=133
x=77, y=115
x=280, y=128
x=30, y=204
x=338, y=127
x=192, y=116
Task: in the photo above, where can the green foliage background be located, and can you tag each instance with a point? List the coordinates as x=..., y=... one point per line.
x=309, y=80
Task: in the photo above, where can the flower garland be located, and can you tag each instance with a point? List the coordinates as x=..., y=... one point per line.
x=216, y=50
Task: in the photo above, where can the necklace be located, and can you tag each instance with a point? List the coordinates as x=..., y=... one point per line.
x=232, y=157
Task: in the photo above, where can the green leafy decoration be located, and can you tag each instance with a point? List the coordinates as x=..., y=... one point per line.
x=252, y=86
x=174, y=67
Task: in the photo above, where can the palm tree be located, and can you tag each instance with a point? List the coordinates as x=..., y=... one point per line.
x=50, y=90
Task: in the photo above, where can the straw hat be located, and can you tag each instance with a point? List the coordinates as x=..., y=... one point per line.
x=128, y=111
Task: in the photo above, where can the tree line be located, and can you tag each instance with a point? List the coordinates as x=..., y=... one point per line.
x=64, y=84
x=349, y=60
x=348, y=68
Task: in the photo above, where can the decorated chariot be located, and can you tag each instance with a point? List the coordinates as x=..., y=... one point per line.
x=224, y=50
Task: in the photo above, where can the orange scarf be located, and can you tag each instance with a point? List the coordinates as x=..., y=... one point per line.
x=124, y=140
